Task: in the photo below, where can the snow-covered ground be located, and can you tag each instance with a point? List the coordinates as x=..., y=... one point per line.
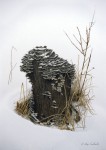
x=17, y=133
x=25, y=24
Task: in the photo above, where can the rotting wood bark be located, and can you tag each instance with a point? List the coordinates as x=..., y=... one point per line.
x=48, y=73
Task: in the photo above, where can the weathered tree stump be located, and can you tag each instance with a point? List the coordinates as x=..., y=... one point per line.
x=51, y=78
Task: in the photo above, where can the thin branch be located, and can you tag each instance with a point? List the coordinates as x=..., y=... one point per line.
x=22, y=91
x=76, y=39
x=80, y=39
x=11, y=65
x=10, y=77
x=86, y=71
x=73, y=43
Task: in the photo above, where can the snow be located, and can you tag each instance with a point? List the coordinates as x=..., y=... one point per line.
x=29, y=23
x=45, y=55
x=17, y=133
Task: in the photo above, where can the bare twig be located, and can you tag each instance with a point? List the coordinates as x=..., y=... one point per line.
x=11, y=65
x=73, y=43
x=22, y=91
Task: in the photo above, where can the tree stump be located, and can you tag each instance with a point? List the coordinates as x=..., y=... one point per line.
x=51, y=78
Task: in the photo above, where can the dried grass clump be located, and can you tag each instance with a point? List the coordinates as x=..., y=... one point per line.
x=22, y=105
x=22, y=108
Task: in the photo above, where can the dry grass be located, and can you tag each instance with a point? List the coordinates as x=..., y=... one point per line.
x=22, y=105
x=22, y=108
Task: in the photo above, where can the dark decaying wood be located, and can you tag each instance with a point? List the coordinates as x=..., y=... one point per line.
x=49, y=75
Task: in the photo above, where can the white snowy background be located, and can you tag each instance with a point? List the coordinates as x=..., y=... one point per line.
x=25, y=24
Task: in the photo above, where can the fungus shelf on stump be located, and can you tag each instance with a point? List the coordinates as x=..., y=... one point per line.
x=50, y=77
